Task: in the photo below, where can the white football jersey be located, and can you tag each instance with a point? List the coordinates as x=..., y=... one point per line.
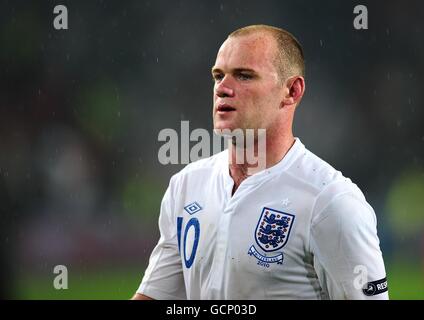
x=297, y=230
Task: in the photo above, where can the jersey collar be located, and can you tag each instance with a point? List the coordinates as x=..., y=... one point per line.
x=296, y=149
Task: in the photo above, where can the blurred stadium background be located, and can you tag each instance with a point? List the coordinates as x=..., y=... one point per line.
x=81, y=109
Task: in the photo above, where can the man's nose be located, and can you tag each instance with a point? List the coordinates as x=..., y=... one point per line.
x=224, y=89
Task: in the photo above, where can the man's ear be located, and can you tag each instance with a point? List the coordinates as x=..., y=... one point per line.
x=294, y=90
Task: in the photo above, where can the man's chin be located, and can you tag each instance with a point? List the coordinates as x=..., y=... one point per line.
x=221, y=125
x=230, y=132
x=223, y=130
x=226, y=132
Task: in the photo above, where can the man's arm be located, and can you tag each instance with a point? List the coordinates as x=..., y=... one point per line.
x=163, y=278
x=347, y=255
x=139, y=296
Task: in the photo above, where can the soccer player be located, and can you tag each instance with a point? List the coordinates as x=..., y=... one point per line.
x=298, y=229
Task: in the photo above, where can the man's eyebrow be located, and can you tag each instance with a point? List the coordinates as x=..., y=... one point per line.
x=236, y=70
x=214, y=70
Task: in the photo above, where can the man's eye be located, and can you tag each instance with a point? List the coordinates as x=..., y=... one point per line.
x=243, y=76
x=217, y=77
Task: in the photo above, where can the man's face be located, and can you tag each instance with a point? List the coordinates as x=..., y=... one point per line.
x=247, y=90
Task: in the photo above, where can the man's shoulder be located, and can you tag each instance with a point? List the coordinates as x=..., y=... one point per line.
x=316, y=172
x=328, y=183
x=321, y=178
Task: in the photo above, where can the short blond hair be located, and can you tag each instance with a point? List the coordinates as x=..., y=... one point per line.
x=289, y=60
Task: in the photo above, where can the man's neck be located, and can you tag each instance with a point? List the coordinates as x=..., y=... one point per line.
x=276, y=149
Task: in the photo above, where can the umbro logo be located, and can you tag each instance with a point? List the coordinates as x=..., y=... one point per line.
x=192, y=208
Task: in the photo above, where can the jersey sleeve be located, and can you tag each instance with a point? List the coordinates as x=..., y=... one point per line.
x=163, y=279
x=346, y=248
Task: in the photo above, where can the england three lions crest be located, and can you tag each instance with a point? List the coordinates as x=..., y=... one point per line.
x=271, y=234
x=273, y=229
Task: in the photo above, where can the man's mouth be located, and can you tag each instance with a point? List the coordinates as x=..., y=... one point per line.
x=224, y=108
